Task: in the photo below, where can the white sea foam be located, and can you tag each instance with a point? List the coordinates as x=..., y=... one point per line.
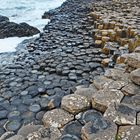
x=29, y=11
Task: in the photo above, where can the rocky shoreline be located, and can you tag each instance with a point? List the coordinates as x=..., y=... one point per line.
x=60, y=86
x=12, y=29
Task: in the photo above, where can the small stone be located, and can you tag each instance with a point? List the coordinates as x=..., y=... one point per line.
x=72, y=76
x=75, y=103
x=135, y=76
x=13, y=115
x=39, y=115
x=105, y=62
x=13, y=125
x=34, y=108
x=57, y=118
x=98, y=43
x=105, y=97
x=121, y=59
x=24, y=93
x=129, y=132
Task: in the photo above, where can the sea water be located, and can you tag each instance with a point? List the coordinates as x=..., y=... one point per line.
x=29, y=11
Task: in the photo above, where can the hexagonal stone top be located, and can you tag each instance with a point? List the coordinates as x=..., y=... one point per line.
x=57, y=118
x=105, y=97
x=75, y=103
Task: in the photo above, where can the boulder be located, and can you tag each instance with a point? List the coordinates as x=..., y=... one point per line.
x=135, y=76
x=57, y=118
x=75, y=103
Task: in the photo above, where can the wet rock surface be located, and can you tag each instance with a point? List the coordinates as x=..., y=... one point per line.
x=11, y=29
x=57, y=87
x=37, y=76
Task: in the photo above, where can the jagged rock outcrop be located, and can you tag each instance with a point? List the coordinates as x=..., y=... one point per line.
x=11, y=29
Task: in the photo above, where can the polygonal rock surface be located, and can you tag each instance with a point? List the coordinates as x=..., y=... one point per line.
x=105, y=97
x=117, y=74
x=25, y=130
x=135, y=76
x=57, y=118
x=131, y=89
x=133, y=60
x=120, y=114
x=89, y=115
x=129, y=132
x=133, y=102
x=101, y=81
x=17, y=137
x=75, y=103
x=102, y=130
x=87, y=92
x=72, y=128
x=125, y=115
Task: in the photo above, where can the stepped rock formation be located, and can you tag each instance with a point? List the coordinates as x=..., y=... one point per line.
x=80, y=100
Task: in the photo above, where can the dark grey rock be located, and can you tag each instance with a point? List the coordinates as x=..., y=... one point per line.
x=34, y=108
x=13, y=125
x=73, y=128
